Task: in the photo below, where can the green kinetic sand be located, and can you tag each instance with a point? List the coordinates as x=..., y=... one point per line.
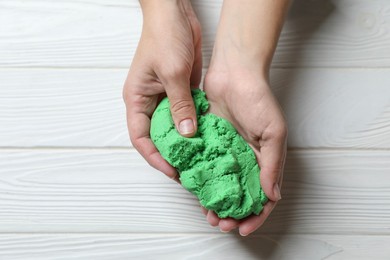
x=217, y=165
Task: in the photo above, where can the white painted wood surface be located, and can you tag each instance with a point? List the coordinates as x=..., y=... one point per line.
x=325, y=192
x=174, y=246
x=71, y=186
x=83, y=108
x=104, y=33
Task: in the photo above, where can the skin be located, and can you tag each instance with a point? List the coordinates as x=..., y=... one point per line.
x=168, y=61
x=236, y=84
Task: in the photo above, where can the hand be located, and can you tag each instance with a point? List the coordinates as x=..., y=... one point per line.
x=168, y=61
x=240, y=93
x=237, y=87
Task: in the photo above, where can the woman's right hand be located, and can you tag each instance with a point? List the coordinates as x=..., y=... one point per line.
x=168, y=62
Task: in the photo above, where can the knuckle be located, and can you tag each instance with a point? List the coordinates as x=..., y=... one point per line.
x=134, y=141
x=182, y=107
x=278, y=132
x=282, y=131
x=128, y=92
x=129, y=88
x=126, y=96
x=175, y=72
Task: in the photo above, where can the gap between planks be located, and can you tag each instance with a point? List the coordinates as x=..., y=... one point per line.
x=130, y=148
x=197, y=234
x=204, y=68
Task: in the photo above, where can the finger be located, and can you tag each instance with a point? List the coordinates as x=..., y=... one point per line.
x=253, y=222
x=139, y=127
x=196, y=74
x=177, y=178
x=181, y=104
x=282, y=172
x=228, y=224
x=271, y=160
x=212, y=218
x=204, y=210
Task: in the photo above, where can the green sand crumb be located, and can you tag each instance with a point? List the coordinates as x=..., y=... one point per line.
x=217, y=165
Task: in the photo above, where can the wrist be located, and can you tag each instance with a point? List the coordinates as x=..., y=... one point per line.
x=248, y=32
x=235, y=75
x=154, y=10
x=149, y=5
x=233, y=55
x=229, y=57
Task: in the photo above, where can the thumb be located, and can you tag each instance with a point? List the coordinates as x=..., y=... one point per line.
x=273, y=156
x=182, y=108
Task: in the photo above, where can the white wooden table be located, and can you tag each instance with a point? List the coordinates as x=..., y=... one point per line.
x=72, y=187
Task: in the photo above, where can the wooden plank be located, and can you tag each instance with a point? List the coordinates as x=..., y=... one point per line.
x=62, y=108
x=102, y=33
x=39, y=33
x=84, y=108
x=335, y=108
x=174, y=246
x=324, y=192
x=343, y=33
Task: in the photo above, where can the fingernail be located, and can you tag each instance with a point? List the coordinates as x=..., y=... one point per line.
x=224, y=231
x=174, y=177
x=242, y=234
x=277, y=194
x=186, y=126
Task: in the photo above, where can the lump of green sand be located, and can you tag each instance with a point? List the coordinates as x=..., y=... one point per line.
x=217, y=165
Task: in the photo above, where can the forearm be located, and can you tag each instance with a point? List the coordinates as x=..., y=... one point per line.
x=154, y=10
x=250, y=29
x=149, y=5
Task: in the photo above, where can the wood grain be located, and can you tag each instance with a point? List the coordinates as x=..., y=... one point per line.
x=175, y=246
x=104, y=34
x=335, y=108
x=42, y=107
x=71, y=186
x=325, y=108
x=324, y=192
